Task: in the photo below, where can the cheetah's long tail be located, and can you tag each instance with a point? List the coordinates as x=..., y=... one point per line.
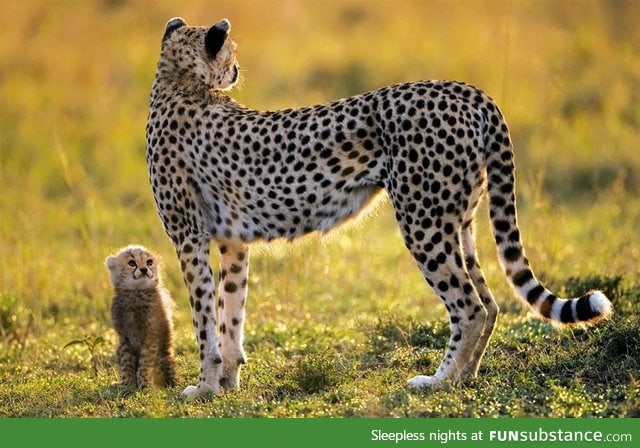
x=588, y=308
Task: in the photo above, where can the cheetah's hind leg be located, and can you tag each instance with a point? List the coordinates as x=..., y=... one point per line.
x=475, y=273
x=450, y=280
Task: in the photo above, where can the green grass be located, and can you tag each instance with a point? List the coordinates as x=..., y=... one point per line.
x=335, y=326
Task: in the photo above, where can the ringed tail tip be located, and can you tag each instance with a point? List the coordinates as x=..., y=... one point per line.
x=600, y=305
x=592, y=307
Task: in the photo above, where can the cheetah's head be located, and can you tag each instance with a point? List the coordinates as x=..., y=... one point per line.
x=205, y=55
x=133, y=267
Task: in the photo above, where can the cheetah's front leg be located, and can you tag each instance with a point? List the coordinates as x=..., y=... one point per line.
x=234, y=272
x=196, y=270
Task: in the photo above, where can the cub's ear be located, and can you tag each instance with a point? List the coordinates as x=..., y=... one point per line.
x=172, y=25
x=216, y=36
x=110, y=262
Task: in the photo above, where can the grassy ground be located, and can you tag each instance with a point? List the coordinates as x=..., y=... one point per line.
x=335, y=326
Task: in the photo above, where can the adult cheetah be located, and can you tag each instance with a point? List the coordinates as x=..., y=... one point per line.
x=223, y=172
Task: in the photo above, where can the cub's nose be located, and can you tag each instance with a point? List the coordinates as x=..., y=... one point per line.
x=143, y=271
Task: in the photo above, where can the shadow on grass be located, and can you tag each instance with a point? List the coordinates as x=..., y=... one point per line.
x=532, y=368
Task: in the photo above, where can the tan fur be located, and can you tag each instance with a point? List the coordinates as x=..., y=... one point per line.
x=142, y=316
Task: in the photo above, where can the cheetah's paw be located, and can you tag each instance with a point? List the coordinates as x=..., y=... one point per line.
x=202, y=390
x=427, y=382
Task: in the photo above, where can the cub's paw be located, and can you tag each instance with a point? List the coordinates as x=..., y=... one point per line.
x=468, y=376
x=122, y=385
x=122, y=388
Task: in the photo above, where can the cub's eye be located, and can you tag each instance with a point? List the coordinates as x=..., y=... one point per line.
x=132, y=263
x=149, y=263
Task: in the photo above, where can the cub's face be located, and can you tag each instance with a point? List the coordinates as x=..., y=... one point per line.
x=206, y=54
x=133, y=267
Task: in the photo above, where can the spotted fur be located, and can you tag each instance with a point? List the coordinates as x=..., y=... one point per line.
x=141, y=314
x=223, y=172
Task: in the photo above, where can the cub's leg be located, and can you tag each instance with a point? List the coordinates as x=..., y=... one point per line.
x=234, y=272
x=475, y=273
x=148, y=366
x=193, y=253
x=127, y=364
x=167, y=368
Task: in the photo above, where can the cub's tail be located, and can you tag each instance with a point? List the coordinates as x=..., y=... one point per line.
x=588, y=308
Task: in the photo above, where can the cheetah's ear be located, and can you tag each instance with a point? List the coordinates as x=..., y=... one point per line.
x=172, y=25
x=216, y=36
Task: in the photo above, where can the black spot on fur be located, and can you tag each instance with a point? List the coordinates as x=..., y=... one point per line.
x=584, y=310
x=522, y=277
x=566, y=315
x=534, y=294
x=512, y=254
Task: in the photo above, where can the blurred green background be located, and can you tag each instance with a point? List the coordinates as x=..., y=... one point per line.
x=74, y=86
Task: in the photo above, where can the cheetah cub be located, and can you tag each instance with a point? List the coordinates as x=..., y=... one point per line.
x=142, y=316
